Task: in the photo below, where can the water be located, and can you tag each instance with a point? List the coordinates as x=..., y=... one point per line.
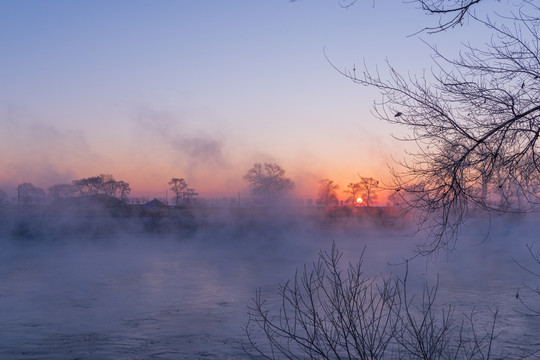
x=186, y=297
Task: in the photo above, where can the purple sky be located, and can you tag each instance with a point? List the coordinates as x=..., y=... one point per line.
x=150, y=90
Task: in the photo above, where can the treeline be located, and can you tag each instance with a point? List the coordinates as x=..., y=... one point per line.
x=267, y=182
x=103, y=184
x=361, y=193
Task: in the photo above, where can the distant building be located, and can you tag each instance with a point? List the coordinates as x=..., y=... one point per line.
x=154, y=204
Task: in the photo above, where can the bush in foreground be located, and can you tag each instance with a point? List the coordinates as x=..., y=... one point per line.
x=331, y=313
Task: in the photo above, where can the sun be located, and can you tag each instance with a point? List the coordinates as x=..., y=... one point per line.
x=359, y=200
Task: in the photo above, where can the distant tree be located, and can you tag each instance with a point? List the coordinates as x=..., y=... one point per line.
x=3, y=197
x=189, y=195
x=178, y=186
x=28, y=194
x=103, y=184
x=268, y=179
x=368, y=188
x=122, y=190
x=108, y=185
x=353, y=190
x=62, y=191
x=327, y=193
x=90, y=186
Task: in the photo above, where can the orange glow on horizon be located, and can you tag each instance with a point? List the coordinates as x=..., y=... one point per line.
x=150, y=180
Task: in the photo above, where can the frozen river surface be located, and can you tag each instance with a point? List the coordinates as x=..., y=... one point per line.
x=156, y=297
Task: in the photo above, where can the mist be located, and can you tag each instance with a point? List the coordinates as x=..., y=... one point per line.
x=176, y=283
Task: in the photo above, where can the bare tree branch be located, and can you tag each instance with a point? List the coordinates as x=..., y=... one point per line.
x=328, y=312
x=476, y=122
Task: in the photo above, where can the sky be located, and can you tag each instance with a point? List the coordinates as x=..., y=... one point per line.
x=202, y=90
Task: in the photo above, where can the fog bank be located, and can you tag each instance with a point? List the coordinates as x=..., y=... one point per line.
x=168, y=285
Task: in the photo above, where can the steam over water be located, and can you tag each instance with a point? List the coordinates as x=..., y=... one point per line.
x=185, y=296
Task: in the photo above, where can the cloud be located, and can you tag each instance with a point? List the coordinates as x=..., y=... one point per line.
x=35, y=151
x=176, y=144
x=200, y=147
x=195, y=146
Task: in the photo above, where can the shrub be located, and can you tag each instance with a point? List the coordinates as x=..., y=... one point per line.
x=331, y=313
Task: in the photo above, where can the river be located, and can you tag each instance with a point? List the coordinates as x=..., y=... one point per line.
x=186, y=297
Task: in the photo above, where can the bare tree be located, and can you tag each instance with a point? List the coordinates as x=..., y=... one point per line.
x=178, y=186
x=368, y=188
x=327, y=195
x=104, y=184
x=525, y=295
x=268, y=179
x=122, y=190
x=28, y=194
x=90, y=186
x=354, y=189
x=108, y=184
x=62, y=191
x=331, y=313
x=475, y=119
x=451, y=12
x=326, y=313
x=190, y=195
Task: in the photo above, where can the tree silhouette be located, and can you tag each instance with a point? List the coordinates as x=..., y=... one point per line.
x=178, y=186
x=353, y=189
x=368, y=187
x=327, y=195
x=475, y=118
x=268, y=179
x=62, y=191
x=122, y=190
x=104, y=184
x=333, y=312
x=28, y=194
